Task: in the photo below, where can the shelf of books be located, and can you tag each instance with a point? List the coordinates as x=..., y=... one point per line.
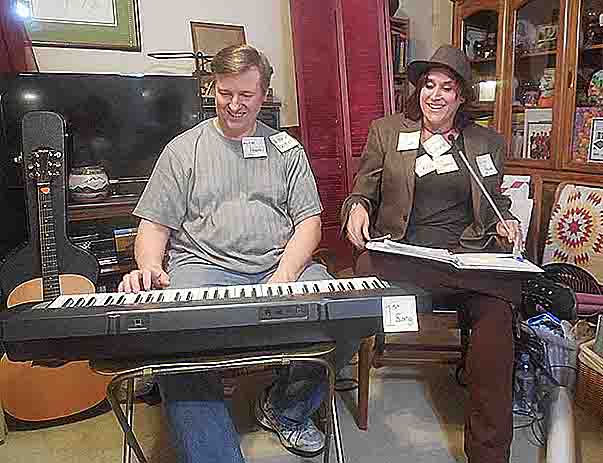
x=399, y=43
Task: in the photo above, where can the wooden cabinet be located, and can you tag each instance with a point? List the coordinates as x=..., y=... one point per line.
x=343, y=67
x=549, y=91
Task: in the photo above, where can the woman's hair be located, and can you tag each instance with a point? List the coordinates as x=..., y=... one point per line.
x=413, y=102
x=236, y=59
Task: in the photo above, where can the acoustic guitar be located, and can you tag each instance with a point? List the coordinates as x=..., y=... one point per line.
x=30, y=392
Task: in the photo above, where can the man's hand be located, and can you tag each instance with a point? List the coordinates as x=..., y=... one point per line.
x=280, y=277
x=144, y=280
x=516, y=235
x=357, y=227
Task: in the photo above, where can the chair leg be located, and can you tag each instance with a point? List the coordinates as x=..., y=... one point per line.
x=127, y=449
x=336, y=432
x=364, y=368
x=3, y=427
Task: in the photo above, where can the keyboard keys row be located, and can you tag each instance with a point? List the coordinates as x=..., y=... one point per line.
x=218, y=292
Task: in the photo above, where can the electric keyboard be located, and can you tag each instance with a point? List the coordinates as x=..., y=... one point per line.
x=172, y=321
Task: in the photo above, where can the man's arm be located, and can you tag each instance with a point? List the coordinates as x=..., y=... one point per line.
x=149, y=248
x=298, y=251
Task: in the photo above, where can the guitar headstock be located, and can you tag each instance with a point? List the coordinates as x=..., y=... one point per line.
x=43, y=164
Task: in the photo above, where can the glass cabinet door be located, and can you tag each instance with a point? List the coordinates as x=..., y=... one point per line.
x=480, y=41
x=535, y=70
x=587, y=128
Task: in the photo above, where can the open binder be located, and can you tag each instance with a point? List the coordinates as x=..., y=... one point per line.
x=463, y=261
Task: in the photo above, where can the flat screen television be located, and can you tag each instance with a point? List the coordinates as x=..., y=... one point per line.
x=122, y=122
x=119, y=121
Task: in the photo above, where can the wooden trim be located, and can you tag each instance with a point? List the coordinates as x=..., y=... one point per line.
x=502, y=58
x=387, y=72
x=561, y=79
x=343, y=90
x=297, y=51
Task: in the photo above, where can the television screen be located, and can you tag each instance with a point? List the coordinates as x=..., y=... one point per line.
x=119, y=121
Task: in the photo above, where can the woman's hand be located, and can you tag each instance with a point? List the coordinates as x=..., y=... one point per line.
x=357, y=227
x=511, y=230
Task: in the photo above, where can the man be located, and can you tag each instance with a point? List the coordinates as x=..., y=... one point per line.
x=237, y=204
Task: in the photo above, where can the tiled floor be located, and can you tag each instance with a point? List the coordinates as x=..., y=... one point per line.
x=416, y=415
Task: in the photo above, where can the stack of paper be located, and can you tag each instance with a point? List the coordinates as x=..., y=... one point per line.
x=468, y=261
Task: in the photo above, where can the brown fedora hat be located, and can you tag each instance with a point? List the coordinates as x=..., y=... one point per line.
x=448, y=57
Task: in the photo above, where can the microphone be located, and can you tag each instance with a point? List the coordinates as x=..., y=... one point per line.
x=516, y=246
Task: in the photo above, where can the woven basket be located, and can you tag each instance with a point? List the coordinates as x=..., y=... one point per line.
x=589, y=394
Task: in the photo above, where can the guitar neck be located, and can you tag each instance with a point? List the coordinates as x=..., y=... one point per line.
x=48, y=246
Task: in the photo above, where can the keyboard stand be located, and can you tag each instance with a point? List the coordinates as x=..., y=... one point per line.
x=127, y=371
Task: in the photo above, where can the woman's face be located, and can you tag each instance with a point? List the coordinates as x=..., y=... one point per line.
x=440, y=99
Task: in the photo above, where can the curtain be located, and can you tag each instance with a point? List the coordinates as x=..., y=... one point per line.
x=16, y=52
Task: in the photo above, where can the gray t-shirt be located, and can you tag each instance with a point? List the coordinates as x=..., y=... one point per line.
x=226, y=210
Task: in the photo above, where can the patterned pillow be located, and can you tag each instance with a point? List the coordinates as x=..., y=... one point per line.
x=575, y=234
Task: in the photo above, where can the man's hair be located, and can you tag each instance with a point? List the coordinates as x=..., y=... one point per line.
x=236, y=59
x=413, y=102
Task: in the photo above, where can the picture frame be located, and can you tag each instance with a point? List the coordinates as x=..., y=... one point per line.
x=104, y=24
x=473, y=35
x=210, y=38
x=583, y=132
x=595, y=152
x=537, y=133
x=546, y=36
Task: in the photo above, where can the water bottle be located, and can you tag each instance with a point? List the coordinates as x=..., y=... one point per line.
x=524, y=397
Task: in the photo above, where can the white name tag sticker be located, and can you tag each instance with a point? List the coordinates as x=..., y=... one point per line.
x=254, y=147
x=486, y=165
x=409, y=140
x=445, y=164
x=399, y=314
x=283, y=141
x=436, y=146
x=424, y=165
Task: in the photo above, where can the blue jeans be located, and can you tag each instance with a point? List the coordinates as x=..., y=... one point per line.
x=199, y=420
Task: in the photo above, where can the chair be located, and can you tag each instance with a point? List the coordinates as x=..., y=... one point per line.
x=129, y=371
x=573, y=252
x=383, y=350
x=3, y=428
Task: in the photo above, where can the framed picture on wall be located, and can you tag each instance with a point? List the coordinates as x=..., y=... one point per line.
x=107, y=24
x=210, y=38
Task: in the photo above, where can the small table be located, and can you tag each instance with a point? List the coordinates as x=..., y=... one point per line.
x=128, y=370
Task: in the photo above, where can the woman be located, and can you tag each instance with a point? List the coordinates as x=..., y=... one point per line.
x=413, y=184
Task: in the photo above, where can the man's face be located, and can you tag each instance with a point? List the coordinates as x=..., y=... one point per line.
x=440, y=99
x=239, y=98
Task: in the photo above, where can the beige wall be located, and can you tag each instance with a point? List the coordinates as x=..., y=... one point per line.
x=165, y=27
x=430, y=25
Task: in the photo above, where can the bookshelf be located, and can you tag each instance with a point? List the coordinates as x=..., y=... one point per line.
x=399, y=48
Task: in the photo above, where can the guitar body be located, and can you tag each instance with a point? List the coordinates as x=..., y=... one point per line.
x=47, y=266
x=38, y=393
x=31, y=291
x=23, y=265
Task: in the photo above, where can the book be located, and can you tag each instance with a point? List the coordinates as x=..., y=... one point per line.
x=462, y=261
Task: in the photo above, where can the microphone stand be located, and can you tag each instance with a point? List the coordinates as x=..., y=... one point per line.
x=516, y=246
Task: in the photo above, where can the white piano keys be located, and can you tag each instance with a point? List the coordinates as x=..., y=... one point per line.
x=257, y=291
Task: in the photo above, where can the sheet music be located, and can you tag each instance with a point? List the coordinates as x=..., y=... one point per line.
x=468, y=261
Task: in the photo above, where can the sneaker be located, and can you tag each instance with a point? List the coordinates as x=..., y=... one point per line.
x=304, y=440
